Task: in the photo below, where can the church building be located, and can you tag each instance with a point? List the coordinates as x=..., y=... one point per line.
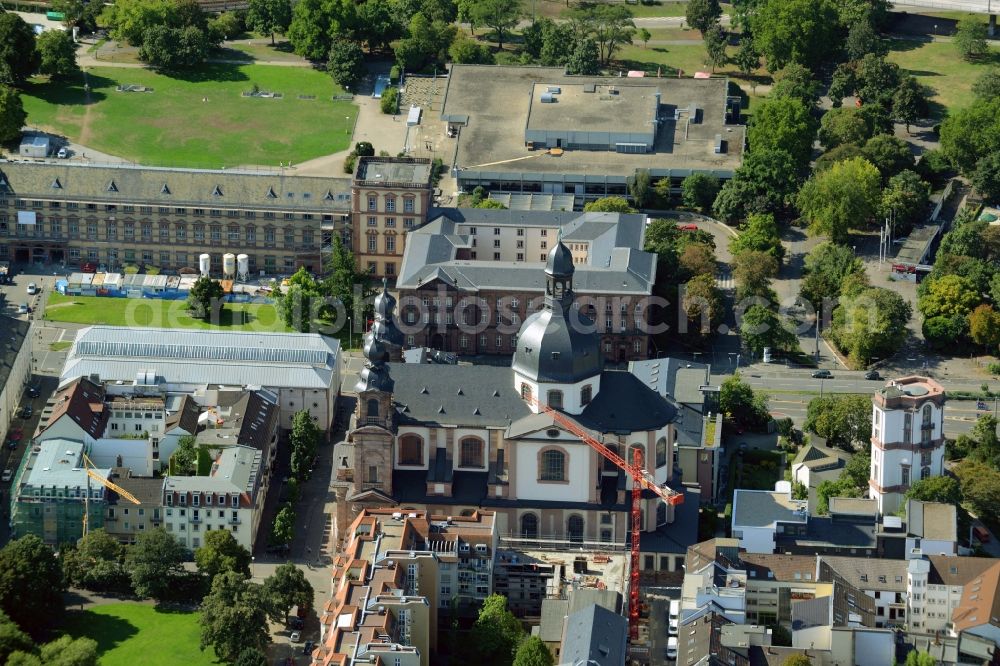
x=451, y=439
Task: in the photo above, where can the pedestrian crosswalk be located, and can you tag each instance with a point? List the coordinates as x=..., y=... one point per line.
x=725, y=279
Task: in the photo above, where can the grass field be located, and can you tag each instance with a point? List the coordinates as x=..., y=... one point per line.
x=129, y=634
x=156, y=313
x=200, y=120
x=938, y=66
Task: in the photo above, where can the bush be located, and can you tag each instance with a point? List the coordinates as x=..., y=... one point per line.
x=349, y=162
x=394, y=73
x=390, y=101
x=994, y=368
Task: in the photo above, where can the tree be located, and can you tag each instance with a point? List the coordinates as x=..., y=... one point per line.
x=830, y=157
x=558, y=45
x=753, y=271
x=943, y=332
x=609, y=25
x=584, y=59
x=870, y=324
x=747, y=58
x=131, y=19
x=18, y=56
x=697, y=259
x=987, y=86
x=288, y=587
x=155, y=563
x=971, y=133
x=532, y=652
x=251, y=657
x=761, y=327
x=843, y=83
x=96, y=563
x=970, y=37
x=184, y=460
x=783, y=124
x=222, y=553
x=702, y=15
x=739, y=402
x=845, y=195
x=863, y=39
x=949, y=295
x=942, y=489
x=826, y=268
x=283, y=529
x=639, y=187
x=496, y=633
x=906, y=197
x=57, y=54
x=346, y=64
x=31, y=584
x=12, y=115
x=269, y=16
x=310, y=29
x=765, y=183
x=426, y=43
x=797, y=82
x=984, y=327
x=234, y=616
x=920, y=658
x=609, y=205
x=79, y=13
x=699, y=190
x=644, y=36
x=304, y=439
x=876, y=80
x=797, y=660
x=801, y=31
x=703, y=305
x=12, y=639
x=226, y=25
x=909, y=102
x=344, y=277
x=378, y=24
x=205, y=298
x=843, y=420
x=889, y=154
x=759, y=232
x=715, y=47
x=986, y=177
x=500, y=15
x=843, y=125
x=172, y=48
x=470, y=51
x=980, y=486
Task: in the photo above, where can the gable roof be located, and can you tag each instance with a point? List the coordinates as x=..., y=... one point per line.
x=82, y=401
x=595, y=635
x=954, y=570
x=185, y=417
x=865, y=573
x=980, y=601
x=782, y=568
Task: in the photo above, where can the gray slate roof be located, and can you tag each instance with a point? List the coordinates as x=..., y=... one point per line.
x=617, y=262
x=174, y=187
x=865, y=573
x=595, y=634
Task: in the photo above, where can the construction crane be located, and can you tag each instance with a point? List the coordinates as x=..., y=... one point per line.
x=88, y=466
x=641, y=480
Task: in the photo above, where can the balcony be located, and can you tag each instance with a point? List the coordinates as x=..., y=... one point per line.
x=368, y=485
x=234, y=520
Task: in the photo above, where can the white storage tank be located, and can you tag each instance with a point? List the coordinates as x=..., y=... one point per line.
x=205, y=265
x=242, y=266
x=228, y=265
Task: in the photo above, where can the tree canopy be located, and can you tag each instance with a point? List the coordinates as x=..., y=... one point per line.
x=496, y=633
x=220, y=553
x=842, y=420
x=870, y=324
x=287, y=587
x=269, y=16
x=205, y=298
x=532, y=652
x=795, y=31
x=234, y=616
x=31, y=584
x=18, y=56
x=844, y=196
x=783, y=123
x=12, y=115
x=155, y=562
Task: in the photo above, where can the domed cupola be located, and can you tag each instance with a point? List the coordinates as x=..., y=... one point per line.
x=384, y=326
x=375, y=375
x=558, y=344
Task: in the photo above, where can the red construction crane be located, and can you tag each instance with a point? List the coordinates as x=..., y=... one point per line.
x=641, y=479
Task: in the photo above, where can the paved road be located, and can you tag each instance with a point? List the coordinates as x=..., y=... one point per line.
x=975, y=6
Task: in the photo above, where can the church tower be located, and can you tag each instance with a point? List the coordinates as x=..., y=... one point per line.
x=384, y=328
x=374, y=428
x=558, y=357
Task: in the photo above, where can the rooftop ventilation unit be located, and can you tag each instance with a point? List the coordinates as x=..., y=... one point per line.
x=555, y=90
x=548, y=98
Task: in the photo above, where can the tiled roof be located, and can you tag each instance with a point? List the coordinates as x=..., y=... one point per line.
x=782, y=568
x=980, y=601
x=186, y=416
x=954, y=571
x=83, y=402
x=866, y=573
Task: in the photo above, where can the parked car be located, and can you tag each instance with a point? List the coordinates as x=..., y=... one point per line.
x=295, y=637
x=63, y=153
x=23, y=308
x=32, y=289
x=671, y=651
x=687, y=227
x=308, y=647
x=295, y=622
x=8, y=474
x=822, y=374
x=16, y=434
x=27, y=411
x=33, y=391
x=872, y=374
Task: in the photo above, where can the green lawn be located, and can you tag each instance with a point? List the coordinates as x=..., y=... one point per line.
x=198, y=119
x=158, y=313
x=128, y=634
x=938, y=66
x=61, y=345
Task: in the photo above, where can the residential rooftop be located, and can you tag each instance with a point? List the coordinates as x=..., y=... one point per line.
x=764, y=508
x=235, y=470
x=58, y=463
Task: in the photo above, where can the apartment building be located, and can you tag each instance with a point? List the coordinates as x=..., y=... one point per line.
x=15, y=370
x=935, y=588
x=390, y=196
x=75, y=213
x=126, y=521
x=470, y=277
x=393, y=576
x=774, y=582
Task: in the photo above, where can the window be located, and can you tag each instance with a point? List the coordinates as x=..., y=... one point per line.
x=529, y=526
x=372, y=221
x=408, y=205
x=661, y=452
x=372, y=246
x=372, y=202
x=390, y=204
x=496, y=231
x=525, y=391
x=499, y=341
x=553, y=466
x=390, y=244
x=586, y=393
x=555, y=399
x=411, y=450
x=390, y=222
x=907, y=428
x=905, y=480
x=574, y=529
x=471, y=454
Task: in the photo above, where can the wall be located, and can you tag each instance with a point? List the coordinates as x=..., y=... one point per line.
x=136, y=454
x=755, y=539
x=578, y=468
x=11, y=391
x=929, y=547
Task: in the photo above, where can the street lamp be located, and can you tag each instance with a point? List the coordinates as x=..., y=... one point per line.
x=350, y=333
x=252, y=567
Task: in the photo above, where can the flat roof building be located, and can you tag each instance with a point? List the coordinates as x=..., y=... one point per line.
x=537, y=129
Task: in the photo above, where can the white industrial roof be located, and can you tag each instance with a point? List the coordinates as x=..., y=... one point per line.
x=182, y=356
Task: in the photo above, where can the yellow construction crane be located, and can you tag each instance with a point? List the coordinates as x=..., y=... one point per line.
x=88, y=466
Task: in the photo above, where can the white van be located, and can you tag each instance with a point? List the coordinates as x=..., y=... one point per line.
x=671, y=652
x=673, y=619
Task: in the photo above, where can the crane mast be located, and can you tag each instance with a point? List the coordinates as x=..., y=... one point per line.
x=88, y=466
x=641, y=480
